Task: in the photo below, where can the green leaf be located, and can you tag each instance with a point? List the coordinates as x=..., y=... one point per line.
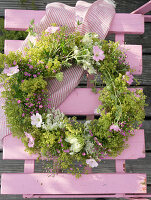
x=59, y=76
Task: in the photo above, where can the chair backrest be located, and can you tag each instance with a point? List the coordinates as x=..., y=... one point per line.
x=82, y=101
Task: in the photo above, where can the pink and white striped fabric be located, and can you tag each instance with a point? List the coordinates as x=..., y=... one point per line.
x=95, y=17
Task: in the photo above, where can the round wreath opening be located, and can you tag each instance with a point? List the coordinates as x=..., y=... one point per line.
x=48, y=132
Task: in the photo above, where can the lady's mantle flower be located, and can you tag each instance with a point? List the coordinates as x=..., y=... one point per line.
x=92, y=163
x=36, y=120
x=31, y=139
x=98, y=54
x=10, y=71
x=130, y=77
x=52, y=29
x=115, y=127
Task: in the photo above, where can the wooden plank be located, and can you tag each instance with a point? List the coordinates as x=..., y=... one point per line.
x=136, y=148
x=123, y=23
x=142, y=165
x=82, y=101
x=12, y=45
x=134, y=53
x=147, y=129
x=143, y=9
x=87, y=184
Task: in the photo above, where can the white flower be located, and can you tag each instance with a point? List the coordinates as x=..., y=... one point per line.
x=11, y=70
x=91, y=70
x=87, y=38
x=97, y=111
x=33, y=39
x=91, y=162
x=76, y=147
x=36, y=120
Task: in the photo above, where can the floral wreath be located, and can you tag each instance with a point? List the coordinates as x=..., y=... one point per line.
x=47, y=131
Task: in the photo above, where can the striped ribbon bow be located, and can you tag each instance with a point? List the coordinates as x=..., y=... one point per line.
x=95, y=17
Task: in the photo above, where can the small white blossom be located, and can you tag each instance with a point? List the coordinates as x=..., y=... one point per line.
x=87, y=38
x=36, y=120
x=92, y=163
x=54, y=120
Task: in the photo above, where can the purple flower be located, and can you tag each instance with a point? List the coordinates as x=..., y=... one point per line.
x=23, y=114
x=19, y=101
x=10, y=71
x=31, y=104
x=31, y=139
x=46, y=67
x=29, y=60
x=26, y=73
x=115, y=127
x=57, y=151
x=34, y=75
x=14, y=63
x=130, y=77
x=27, y=99
x=98, y=53
x=30, y=67
x=38, y=73
x=66, y=151
x=83, y=154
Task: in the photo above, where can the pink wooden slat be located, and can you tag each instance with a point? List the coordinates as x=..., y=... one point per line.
x=12, y=45
x=136, y=148
x=143, y=9
x=123, y=23
x=134, y=53
x=20, y=19
x=82, y=101
x=41, y=183
x=134, y=57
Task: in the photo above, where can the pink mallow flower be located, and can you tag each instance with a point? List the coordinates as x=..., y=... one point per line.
x=31, y=139
x=98, y=53
x=19, y=101
x=52, y=29
x=115, y=127
x=130, y=77
x=10, y=71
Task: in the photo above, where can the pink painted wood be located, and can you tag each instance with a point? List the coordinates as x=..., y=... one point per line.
x=122, y=23
x=82, y=101
x=67, y=184
x=143, y=9
x=12, y=45
x=136, y=148
x=134, y=53
x=92, y=184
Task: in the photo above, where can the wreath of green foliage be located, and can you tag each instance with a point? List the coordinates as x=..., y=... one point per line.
x=74, y=144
